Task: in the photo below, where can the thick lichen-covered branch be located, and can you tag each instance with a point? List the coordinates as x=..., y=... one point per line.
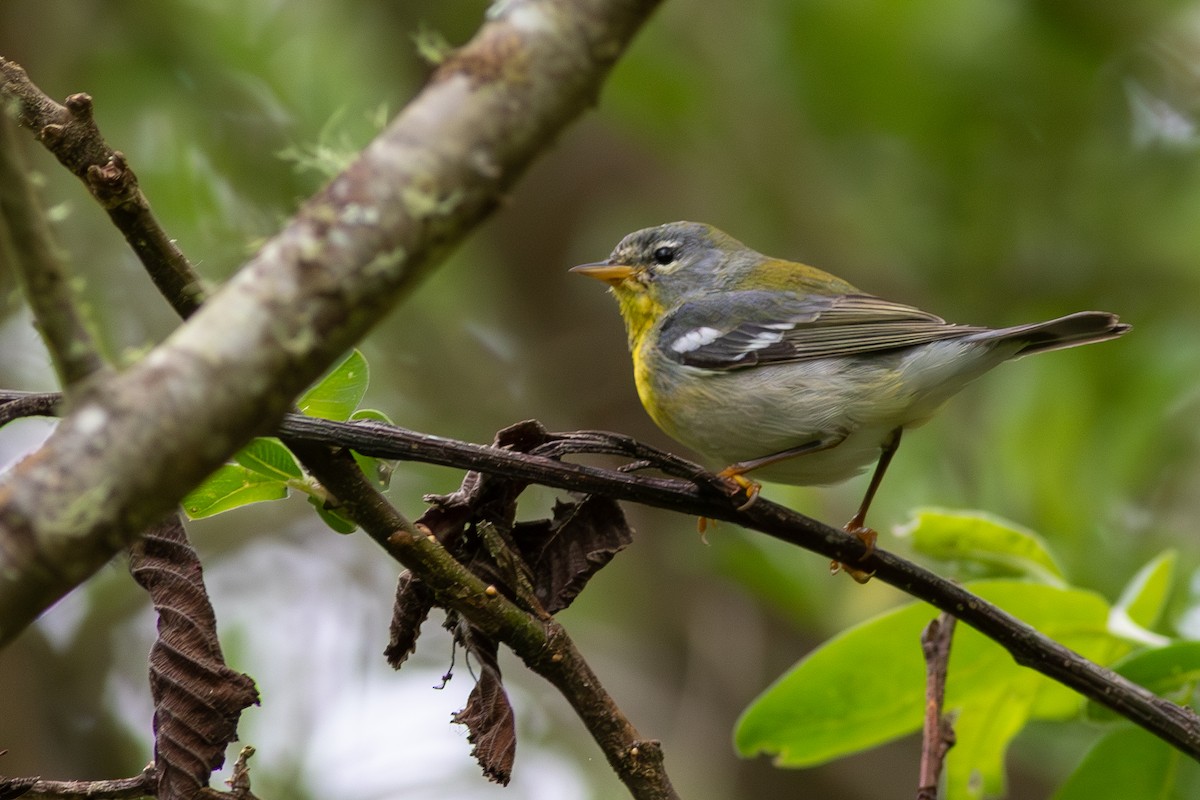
x=135, y=443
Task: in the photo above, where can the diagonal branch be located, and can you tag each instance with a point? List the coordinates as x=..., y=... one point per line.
x=118, y=461
x=543, y=644
x=69, y=132
x=637, y=761
x=1177, y=725
x=25, y=241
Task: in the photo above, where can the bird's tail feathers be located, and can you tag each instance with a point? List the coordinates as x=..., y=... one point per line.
x=1083, y=327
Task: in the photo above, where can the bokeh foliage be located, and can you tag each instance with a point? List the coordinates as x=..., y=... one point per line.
x=994, y=162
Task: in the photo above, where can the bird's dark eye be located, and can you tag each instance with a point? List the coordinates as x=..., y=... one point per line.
x=664, y=255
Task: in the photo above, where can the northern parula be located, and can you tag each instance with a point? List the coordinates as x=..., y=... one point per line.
x=779, y=369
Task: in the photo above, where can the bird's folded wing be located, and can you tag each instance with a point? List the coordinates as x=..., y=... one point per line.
x=742, y=329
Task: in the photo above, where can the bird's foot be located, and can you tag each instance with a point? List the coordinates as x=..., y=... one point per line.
x=865, y=535
x=732, y=482
x=737, y=482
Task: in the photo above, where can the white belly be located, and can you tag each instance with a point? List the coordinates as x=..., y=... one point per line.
x=852, y=404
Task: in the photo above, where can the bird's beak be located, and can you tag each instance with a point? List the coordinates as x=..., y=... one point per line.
x=612, y=274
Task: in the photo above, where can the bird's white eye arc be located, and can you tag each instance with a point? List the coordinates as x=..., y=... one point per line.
x=665, y=255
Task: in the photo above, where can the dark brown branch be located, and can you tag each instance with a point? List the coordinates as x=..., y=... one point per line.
x=139, y=786
x=70, y=133
x=938, y=734
x=15, y=405
x=1176, y=725
x=26, y=242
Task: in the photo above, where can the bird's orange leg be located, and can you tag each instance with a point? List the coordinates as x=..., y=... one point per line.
x=735, y=474
x=857, y=526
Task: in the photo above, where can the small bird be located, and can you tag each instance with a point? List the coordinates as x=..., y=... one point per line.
x=779, y=369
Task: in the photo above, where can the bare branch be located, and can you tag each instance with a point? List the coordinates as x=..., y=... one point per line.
x=70, y=133
x=138, y=786
x=938, y=735
x=15, y=405
x=26, y=242
x=1177, y=725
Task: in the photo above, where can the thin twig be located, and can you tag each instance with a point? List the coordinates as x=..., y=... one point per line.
x=70, y=133
x=938, y=735
x=28, y=404
x=141, y=785
x=25, y=241
x=1177, y=725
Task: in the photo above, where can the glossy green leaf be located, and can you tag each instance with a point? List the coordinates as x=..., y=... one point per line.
x=229, y=487
x=1172, y=672
x=337, y=394
x=1131, y=763
x=977, y=537
x=994, y=716
x=1144, y=597
x=372, y=414
x=268, y=457
x=335, y=519
x=378, y=471
x=866, y=686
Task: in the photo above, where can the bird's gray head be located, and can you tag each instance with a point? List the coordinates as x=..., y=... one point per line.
x=673, y=259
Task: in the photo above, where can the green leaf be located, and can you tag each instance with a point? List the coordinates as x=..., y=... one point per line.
x=229, y=487
x=268, y=457
x=866, y=686
x=980, y=538
x=995, y=717
x=372, y=414
x=337, y=394
x=1172, y=671
x=1141, y=603
x=335, y=519
x=1131, y=763
x=378, y=471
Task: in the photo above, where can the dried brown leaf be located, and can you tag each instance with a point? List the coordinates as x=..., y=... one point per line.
x=413, y=603
x=488, y=715
x=483, y=497
x=197, y=697
x=566, y=551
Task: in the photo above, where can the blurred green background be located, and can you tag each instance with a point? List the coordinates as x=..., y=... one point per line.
x=994, y=162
